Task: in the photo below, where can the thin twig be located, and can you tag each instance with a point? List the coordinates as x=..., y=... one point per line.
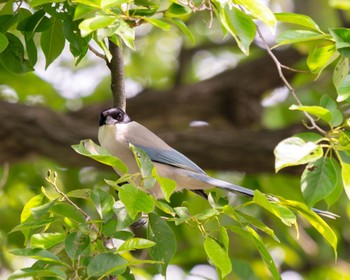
x=53, y=182
x=97, y=53
x=116, y=66
x=287, y=84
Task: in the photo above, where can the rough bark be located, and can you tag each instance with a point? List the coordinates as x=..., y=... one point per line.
x=230, y=102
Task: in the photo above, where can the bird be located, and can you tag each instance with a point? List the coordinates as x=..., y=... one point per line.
x=117, y=131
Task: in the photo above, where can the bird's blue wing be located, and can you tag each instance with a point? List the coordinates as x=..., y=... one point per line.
x=171, y=157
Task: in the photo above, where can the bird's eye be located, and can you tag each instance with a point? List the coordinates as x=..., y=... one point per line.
x=119, y=117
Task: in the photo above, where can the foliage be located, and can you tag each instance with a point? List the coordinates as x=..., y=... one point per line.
x=69, y=242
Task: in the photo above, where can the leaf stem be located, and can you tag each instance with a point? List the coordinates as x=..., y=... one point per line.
x=287, y=84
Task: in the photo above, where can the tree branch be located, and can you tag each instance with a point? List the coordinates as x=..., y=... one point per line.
x=116, y=66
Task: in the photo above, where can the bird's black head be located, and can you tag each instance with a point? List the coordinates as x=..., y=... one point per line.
x=113, y=116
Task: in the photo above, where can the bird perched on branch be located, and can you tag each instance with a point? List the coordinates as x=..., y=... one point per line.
x=117, y=131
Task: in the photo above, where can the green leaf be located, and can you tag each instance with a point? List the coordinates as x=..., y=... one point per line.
x=13, y=57
x=90, y=149
x=39, y=254
x=79, y=193
x=245, y=219
x=145, y=165
x=29, y=225
x=77, y=244
x=317, y=111
x=295, y=151
x=341, y=70
x=167, y=186
x=328, y=103
x=183, y=27
x=124, y=220
x=218, y=256
x=284, y=214
x=342, y=40
x=160, y=232
x=103, y=202
x=345, y=170
x=32, y=203
x=298, y=19
x=92, y=24
x=135, y=200
x=126, y=33
x=240, y=26
x=259, y=11
x=3, y=42
x=39, y=273
x=52, y=41
x=68, y=211
x=42, y=209
x=46, y=240
x=106, y=263
x=316, y=221
x=299, y=36
x=176, y=11
x=135, y=243
x=338, y=185
x=35, y=3
x=343, y=89
x=318, y=180
x=339, y=4
x=320, y=57
x=158, y=23
x=264, y=254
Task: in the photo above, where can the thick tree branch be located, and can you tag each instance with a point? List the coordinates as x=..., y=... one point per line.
x=29, y=131
x=116, y=66
x=229, y=102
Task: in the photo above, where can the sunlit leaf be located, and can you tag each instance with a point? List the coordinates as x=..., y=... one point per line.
x=145, y=165
x=46, y=240
x=259, y=11
x=135, y=243
x=345, y=170
x=92, y=24
x=239, y=25
x=264, y=254
x=281, y=212
x=317, y=111
x=135, y=200
x=183, y=27
x=295, y=151
x=300, y=36
x=321, y=57
x=218, y=256
x=343, y=89
x=90, y=149
x=298, y=19
x=316, y=221
x=3, y=42
x=35, y=3
x=158, y=23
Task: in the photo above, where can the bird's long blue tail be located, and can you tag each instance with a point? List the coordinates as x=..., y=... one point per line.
x=247, y=192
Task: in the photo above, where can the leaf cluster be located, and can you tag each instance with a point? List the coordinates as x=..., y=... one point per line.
x=66, y=242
